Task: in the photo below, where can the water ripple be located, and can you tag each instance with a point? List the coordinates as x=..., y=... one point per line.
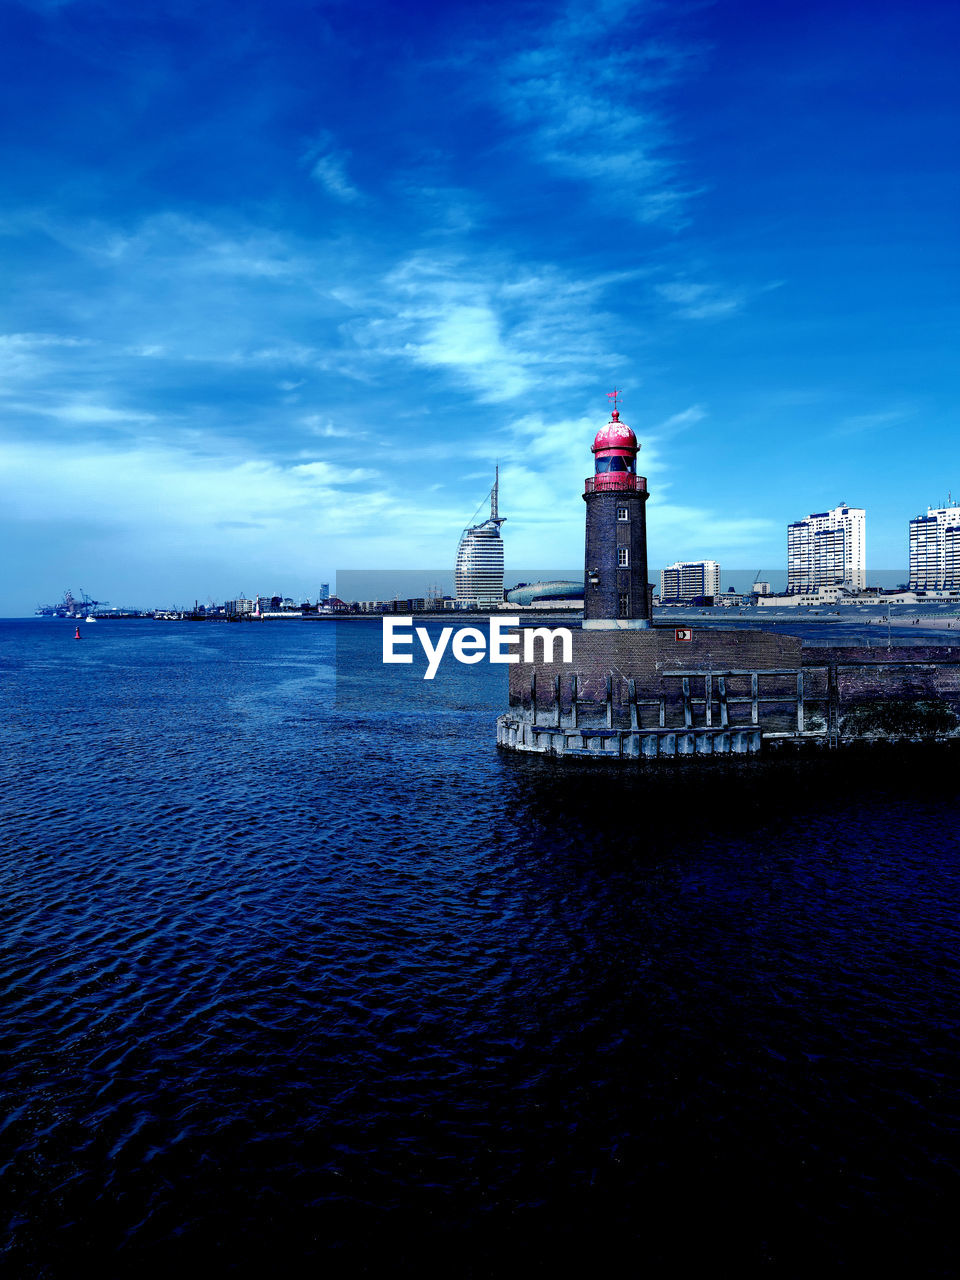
x=300, y=970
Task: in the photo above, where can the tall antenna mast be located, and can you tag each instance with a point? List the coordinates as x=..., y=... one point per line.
x=495, y=495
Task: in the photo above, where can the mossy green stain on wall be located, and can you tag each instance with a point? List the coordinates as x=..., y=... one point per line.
x=898, y=717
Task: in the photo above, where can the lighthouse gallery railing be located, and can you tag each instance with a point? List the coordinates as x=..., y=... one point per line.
x=615, y=481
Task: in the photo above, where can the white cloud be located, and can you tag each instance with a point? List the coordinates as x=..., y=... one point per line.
x=29, y=341
x=328, y=167
x=82, y=413
x=330, y=173
x=584, y=102
x=166, y=243
x=681, y=421
x=503, y=330
x=165, y=497
x=327, y=473
x=79, y=413
x=699, y=301
x=872, y=423
x=30, y=355
x=320, y=426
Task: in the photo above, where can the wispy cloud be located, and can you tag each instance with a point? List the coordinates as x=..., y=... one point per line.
x=502, y=330
x=328, y=473
x=171, y=240
x=85, y=414
x=317, y=425
x=33, y=341
x=174, y=497
x=695, y=301
x=328, y=167
x=681, y=421
x=859, y=424
x=585, y=102
x=29, y=355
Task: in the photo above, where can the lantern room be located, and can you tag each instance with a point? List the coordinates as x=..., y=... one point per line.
x=615, y=456
x=615, y=448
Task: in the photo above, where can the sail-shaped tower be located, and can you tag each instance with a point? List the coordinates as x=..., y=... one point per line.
x=479, y=572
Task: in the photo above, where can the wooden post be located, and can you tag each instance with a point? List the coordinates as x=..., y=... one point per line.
x=609, y=702
x=799, y=702
x=722, y=693
x=708, y=698
x=755, y=695
x=687, y=709
x=634, y=709
x=833, y=705
x=533, y=695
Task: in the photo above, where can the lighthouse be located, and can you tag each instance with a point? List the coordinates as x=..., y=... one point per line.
x=615, y=563
x=628, y=690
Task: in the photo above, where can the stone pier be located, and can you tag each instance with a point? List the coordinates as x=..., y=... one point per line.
x=647, y=695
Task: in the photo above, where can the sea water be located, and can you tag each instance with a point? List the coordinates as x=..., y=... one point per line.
x=298, y=969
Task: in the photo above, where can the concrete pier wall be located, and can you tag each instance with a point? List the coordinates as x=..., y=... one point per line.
x=650, y=694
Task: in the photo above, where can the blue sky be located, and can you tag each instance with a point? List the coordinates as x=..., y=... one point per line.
x=282, y=281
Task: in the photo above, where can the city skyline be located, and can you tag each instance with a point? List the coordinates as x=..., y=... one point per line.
x=285, y=282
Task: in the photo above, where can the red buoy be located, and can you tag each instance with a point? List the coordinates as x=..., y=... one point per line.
x=77, y=636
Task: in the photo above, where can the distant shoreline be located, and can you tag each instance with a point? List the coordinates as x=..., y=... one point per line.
x=759, y=619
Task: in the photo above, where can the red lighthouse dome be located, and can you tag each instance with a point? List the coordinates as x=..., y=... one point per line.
x=616, y=436
x=615, y=451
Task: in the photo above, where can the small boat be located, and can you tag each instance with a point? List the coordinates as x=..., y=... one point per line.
x=90, y=618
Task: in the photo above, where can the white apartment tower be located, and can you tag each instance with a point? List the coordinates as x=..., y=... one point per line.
x=687, y=579
x=935, y=550
x=827, y=549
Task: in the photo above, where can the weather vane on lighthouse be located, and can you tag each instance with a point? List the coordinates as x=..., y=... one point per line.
x=614, y=395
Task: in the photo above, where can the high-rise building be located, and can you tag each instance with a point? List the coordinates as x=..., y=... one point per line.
x=324, y=592
x=827, y=549
x=479, y=570
x=935, y=550
x=687, y=579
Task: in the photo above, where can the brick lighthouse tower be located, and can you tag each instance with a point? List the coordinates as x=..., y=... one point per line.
x=615, y=566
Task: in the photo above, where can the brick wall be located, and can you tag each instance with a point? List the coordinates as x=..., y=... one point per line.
x=614, y=668
x=647, y=658
x=864, y=674
x=880, y=655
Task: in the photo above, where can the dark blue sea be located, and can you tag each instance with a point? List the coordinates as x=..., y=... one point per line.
x=301, y=976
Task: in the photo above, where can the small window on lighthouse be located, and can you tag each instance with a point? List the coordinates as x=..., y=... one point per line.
x=622, y=513
x=623, y=557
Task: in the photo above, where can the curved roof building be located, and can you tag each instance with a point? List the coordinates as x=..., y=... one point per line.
x=560, y=589
x=479, y=571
